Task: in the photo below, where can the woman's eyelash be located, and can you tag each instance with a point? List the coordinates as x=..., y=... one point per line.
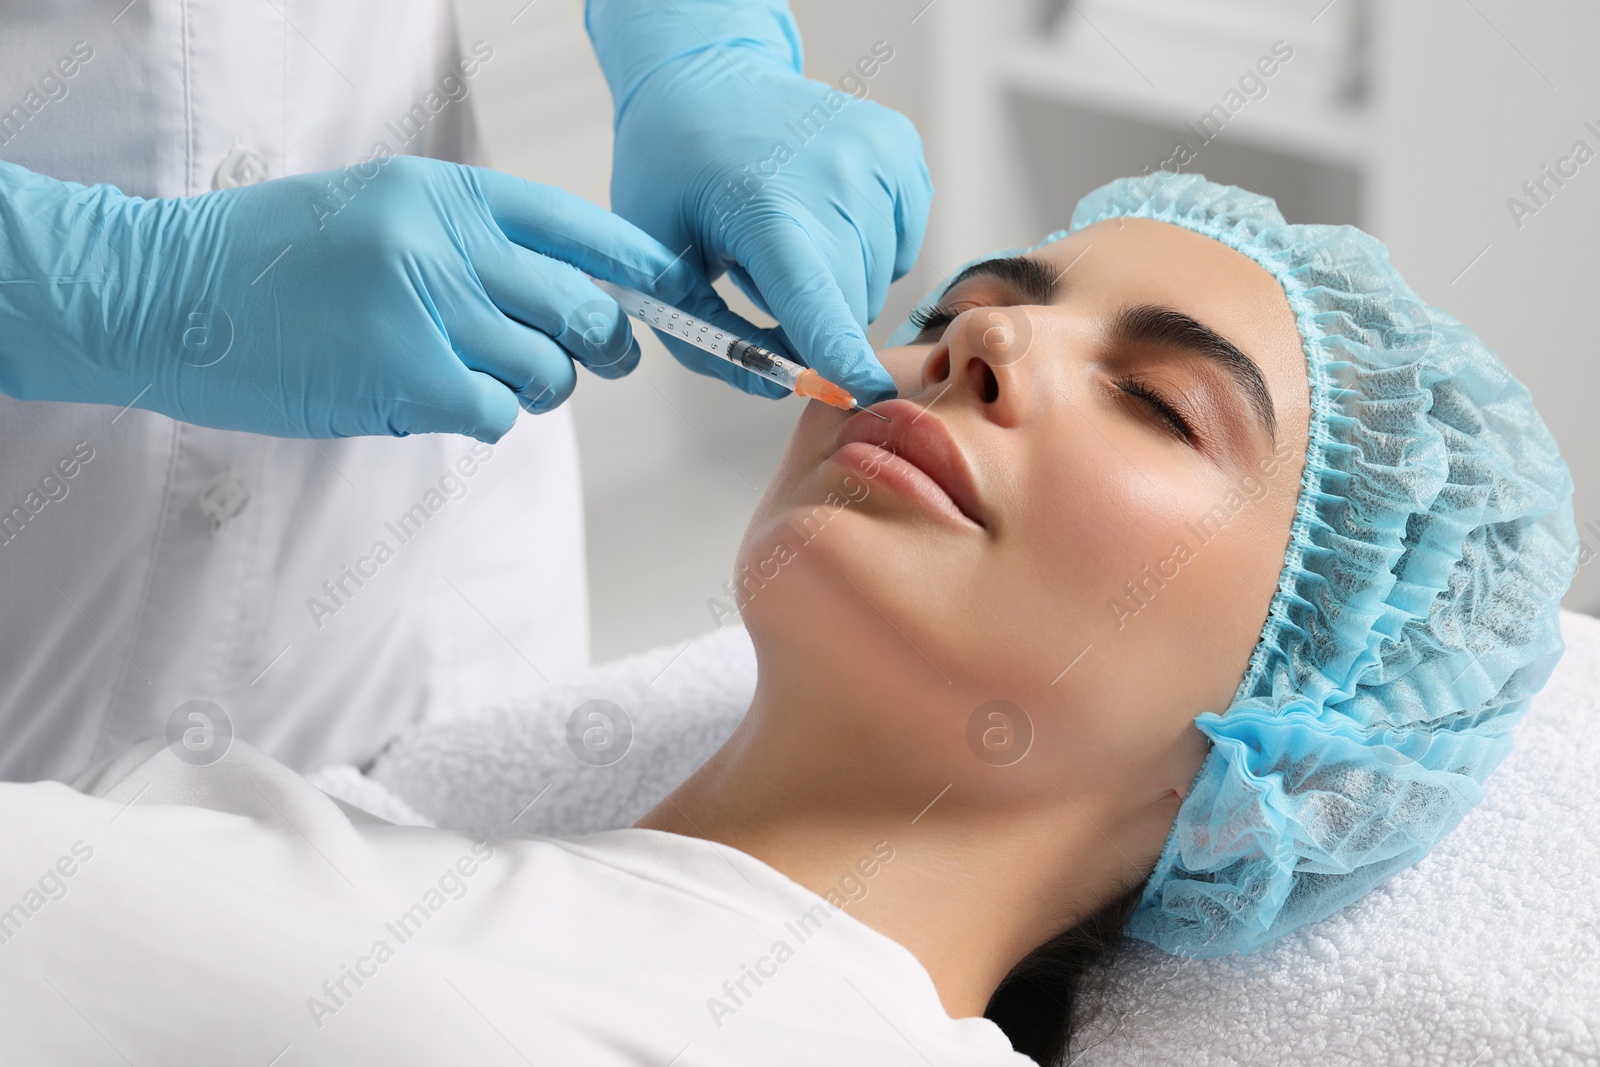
x=934, y=318
x=1167, y=413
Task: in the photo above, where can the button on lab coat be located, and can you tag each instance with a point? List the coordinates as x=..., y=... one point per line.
x=323, y=594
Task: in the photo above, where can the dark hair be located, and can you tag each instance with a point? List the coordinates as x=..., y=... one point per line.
x=1053, y=991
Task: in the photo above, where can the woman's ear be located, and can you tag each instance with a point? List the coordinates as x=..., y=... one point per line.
x=1182, y=777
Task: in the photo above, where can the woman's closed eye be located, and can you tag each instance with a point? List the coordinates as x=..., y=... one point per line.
x=935, y=319
x=1159, y=406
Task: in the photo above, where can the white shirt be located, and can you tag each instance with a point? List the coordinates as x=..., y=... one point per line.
x=179, y=563
x=233, y=913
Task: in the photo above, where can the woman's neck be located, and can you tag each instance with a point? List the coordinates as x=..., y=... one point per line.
x=972, y=886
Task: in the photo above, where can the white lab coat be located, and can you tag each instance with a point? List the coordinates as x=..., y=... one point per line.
x=176, y=563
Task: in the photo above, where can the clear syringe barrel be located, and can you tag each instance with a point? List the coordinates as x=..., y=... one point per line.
x=703, y=335
x=719, y=342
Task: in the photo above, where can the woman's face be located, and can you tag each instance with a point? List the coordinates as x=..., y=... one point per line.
x=1062, y=546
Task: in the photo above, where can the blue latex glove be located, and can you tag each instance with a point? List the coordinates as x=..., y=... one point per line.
x=401, y=296
x=705, y=92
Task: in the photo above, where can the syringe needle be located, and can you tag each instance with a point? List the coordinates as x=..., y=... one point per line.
x=875, y=414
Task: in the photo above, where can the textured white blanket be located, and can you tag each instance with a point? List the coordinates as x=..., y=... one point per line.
x=1486, y=952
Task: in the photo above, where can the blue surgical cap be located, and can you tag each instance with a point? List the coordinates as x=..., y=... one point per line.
x=1416, y=613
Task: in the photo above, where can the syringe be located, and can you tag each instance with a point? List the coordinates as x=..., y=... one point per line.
x=736, y=350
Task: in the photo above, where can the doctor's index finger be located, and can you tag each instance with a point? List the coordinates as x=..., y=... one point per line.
x=811, y=308
x=560, y=225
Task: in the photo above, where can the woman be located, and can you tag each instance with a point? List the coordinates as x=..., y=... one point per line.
x=1184, y=466
x=1119, y=490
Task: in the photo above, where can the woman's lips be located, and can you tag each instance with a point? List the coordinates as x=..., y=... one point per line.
x=922, y=458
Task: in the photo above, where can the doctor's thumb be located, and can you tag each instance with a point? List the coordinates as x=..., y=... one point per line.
x=482, y=408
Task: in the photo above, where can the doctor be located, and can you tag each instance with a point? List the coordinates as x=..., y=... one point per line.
x=207, y=487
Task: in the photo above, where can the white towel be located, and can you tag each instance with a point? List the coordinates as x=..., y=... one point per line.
x=478, y=773
x=1486, y=952
x=345, y=783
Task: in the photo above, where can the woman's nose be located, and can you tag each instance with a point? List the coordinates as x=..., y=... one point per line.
x=982, y=354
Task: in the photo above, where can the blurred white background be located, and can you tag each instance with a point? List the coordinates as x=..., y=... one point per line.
x=1418, y=121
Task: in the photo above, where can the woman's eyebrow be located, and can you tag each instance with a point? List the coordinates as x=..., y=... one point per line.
x=1029, y=277
x=1153, y=325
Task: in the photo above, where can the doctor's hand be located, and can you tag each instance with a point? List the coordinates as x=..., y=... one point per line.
x=399, y=296
x=813, y=200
